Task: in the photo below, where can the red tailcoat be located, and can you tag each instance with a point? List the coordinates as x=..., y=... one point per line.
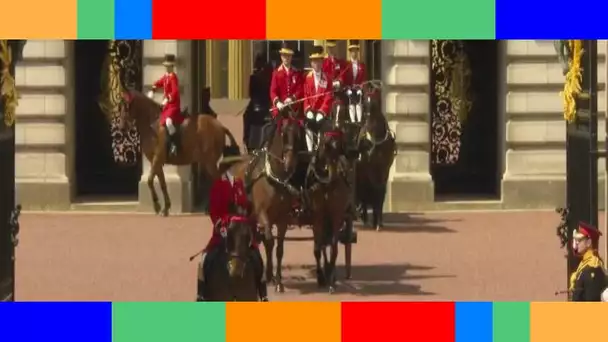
x=226, y=200
x=335, y=68
x=170, y=85
x=350, y=79
x=285, y=83
x=314, y=100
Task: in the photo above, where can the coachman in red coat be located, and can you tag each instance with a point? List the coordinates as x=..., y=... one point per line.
x=286, y=85
x=228, y=201
x=170, y=116
x=335, y=67
x=317, y=95
x=355, y=78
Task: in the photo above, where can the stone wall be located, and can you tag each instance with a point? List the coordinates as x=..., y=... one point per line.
x=42, y=140
x=406, y=102
x=535, y=160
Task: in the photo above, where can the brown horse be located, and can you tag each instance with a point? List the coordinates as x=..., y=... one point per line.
x=378, y=149
x=231, y=274
x=330, y=199
x=268, y=177
x=202, y=141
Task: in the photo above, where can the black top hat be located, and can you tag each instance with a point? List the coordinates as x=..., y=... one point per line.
x=353, y=44
x=169, y=59
x=317, y=52
x=286, y=49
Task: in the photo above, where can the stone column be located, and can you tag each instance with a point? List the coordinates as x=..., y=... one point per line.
x=43, y=133
x=212, y=61
x=405, y=74
x=178, y=178
x=239, y=68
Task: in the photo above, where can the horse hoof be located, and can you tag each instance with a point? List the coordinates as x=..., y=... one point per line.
x=377, y=228
x=349, y=276
x=165, y=213
x=332, y=290
x=279, y=288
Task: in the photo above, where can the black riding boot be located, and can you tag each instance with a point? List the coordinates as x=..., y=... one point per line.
x=173, y=139
x=259, y=275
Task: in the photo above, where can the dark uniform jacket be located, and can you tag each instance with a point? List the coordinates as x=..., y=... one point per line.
x=589, y=280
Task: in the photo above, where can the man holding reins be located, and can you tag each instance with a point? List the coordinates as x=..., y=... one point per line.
x=317, y=97
x=286, y=84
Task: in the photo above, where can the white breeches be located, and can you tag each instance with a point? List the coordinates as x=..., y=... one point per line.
x=170, y=127
x=310, y=140
x=355, y=112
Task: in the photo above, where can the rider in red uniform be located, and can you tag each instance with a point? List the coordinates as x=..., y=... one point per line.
x=354, y=77
x=286, y=83
x=334, y=67
x=171, y=116
x=318, y=96
x=228, y=200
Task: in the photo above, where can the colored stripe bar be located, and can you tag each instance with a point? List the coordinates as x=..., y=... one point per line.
x=545, y=19
x=474, y=322
x=95, y=19
x=168, y=322
x=398, y=321
x=281, y=23
x=511, y=322
x=50, y=321
x=440, y=19
x=133, y=19
x=561, y=322
x=36, y=19
x=196, y=19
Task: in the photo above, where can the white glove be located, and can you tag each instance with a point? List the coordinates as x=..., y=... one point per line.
x=280, y=105
x=310, y=115
x=288, y=100
x=349, y=92
x=165, y=100
x=151, y=94
x=336, y=84
x=319, y=117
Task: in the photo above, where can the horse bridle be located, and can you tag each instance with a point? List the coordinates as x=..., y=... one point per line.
x=243, y=258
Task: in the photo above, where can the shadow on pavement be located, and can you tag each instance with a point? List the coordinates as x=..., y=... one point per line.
x=368, y=280
x=408, y=223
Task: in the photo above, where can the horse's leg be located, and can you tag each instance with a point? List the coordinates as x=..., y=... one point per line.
x=318, y=237
x=268, y=245
x=155, y=202
x=333, y=257
x=281, y=232
x=163, y=189
x=380, y=193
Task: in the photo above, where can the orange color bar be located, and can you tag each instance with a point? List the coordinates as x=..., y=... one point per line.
x=567, y=321
x=324, y=19
x=38, y=19
x=281, y=322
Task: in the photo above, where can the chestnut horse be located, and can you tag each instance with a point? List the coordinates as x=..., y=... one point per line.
x=202, y=140
x=329, y=190
x=268, y=176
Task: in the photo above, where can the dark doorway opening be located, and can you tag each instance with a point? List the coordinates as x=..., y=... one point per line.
x=464, y=119
x=97, y=174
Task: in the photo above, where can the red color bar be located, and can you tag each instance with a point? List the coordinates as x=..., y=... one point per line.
x=398, y=321
x=208, y=19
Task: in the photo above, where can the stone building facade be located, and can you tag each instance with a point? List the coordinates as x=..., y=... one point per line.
x=530, y=122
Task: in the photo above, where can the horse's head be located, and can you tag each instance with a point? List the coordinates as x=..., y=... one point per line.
x=371, y=105
x=291, y=134
x=332, y=142
x=136, y=107
x=238, y=238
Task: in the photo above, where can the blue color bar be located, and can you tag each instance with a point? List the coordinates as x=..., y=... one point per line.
x=551, y=19
x=54, y=321
x=473, y=322
x=133, y=19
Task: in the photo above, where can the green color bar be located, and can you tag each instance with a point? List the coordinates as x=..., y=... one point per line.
x=168, y=322
x=95, y=19
x=438, y=19
x=511, y=322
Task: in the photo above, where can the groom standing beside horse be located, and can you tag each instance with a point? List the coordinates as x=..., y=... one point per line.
x=197, y=139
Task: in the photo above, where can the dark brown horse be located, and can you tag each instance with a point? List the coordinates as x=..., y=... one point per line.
x=202, y=141
x=268, y=176
x=378, y=149
x=329, y=192
x=231, y=274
